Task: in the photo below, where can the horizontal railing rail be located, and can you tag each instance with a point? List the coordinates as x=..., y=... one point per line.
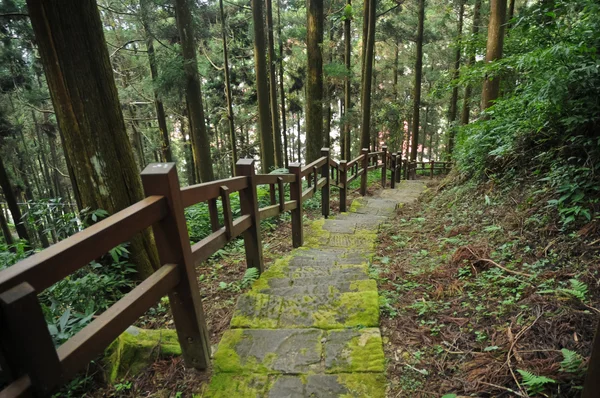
x=27, y=353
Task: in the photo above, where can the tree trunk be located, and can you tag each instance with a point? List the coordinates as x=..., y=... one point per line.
x=367, y=78
x=511, y=15
x=54, y=155
x=281, y=89
x=495, y=43
x=262, y=90
x=11, y=201
x=273, y=87
x=88, y=112
x=8, y=238
x=298, y=136
x=158, y=105
x=193, y=92
x=314, y=83
x=345, y=139
x=232, y=143
x=466, y=109
x=418, y=76
x=455, y=75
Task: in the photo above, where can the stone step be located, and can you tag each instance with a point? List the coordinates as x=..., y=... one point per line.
x=312, y=290
x=363, y=221
x=300, y=351
x=319, y=276
x=355, y=385
x=324, y=311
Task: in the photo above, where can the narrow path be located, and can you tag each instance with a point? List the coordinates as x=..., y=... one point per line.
x=310, y=325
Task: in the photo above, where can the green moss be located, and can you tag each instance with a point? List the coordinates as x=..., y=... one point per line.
x=363, y=285
x=348, y=310
x=226, y=357
x=317, y=236
x=226, y=385
x=134, y=350
x=356, y=205
x=370, y=385
x=256, y=311
x=278, y=270
x=363, y=353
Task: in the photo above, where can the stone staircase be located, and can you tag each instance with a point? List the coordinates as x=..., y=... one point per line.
x=310, y=325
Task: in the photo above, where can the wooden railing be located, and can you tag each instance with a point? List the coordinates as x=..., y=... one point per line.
x=28, y=357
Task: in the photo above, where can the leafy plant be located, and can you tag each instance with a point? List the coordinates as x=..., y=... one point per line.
x=571, y=362
x=535, y=384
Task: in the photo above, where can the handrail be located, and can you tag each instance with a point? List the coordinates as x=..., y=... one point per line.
x=211, y=190
x=308, y=169
x=45, y=268
x=163, y=209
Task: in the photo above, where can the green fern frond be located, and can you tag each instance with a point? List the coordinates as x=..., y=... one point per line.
x=250, y=276
x=571, y=362
x=535, y=384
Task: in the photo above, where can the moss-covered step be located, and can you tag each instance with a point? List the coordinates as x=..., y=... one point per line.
x=363, y=221
x=355, y=385
x=136, y=349
x=340, y=226
x=261, y=311
x=334, y=290
x=319, y=254
x=300, y=351
x=289, y=351
x=354, y=350
x=364, y=239
x=328, y=277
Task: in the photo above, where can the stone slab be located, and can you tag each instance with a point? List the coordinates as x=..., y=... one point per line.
x=340, y=226
x=255, y=310
x=358, y=385
x=286, y=351
x=331, y=277
x=345, y=310
x=228, y=385
x=365, y=241
x=311, y=290
x=358, y=350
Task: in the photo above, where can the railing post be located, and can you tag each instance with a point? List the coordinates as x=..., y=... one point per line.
x=326, y=188
x=365, y=165
x=384, y=166
x=249, y=206
x=296, y=194
x=343, y=170
x=591, y=385
x=26, y=340
x=173, y=244
x=431, y=173
x=394, y=164
x=406, y=165
x=399, y=163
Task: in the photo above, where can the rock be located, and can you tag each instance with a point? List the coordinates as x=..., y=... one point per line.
x=135, y=349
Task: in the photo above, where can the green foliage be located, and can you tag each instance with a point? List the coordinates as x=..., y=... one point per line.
x=535, y=384
x=546, y=121
x=571, y=362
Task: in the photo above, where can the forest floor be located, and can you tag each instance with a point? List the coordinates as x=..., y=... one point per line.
x=483, y=295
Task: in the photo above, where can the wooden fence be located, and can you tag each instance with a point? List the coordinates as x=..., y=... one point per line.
x=28, y=358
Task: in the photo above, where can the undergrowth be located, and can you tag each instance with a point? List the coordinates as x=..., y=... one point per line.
x=484, y=294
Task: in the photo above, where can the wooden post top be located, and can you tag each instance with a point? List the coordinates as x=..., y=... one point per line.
x=159, y=168
x=365, y=150
x=324, y=151
x=245, y=162
x=294, y=165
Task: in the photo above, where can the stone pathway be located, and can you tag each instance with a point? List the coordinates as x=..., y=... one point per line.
x=310, y=325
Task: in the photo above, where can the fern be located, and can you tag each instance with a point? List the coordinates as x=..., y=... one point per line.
x=535, y=384
x=571, y=362
x=250, y=276
x=578, y=289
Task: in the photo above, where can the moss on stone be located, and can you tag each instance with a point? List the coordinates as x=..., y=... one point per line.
x=356, y=205
x=370, y=385
x=278, y=270
x=363, y=285
x=227, y=385
x=135, y=349
x=317, y=236
x=362, y=353
x=256, y=311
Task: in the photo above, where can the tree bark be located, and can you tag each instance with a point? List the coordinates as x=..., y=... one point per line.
x=193, y=92
x=418, y=77
x=84, y=94
x=281, y=89
x=345, y=144
x=262, y=90
x=455, y=75
x=8, y=238
x=231, y=124
x=495, y=43
x=314, y=84
x=466, y=109
x=11, y=201
x=273, y=86
x=367, y=78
